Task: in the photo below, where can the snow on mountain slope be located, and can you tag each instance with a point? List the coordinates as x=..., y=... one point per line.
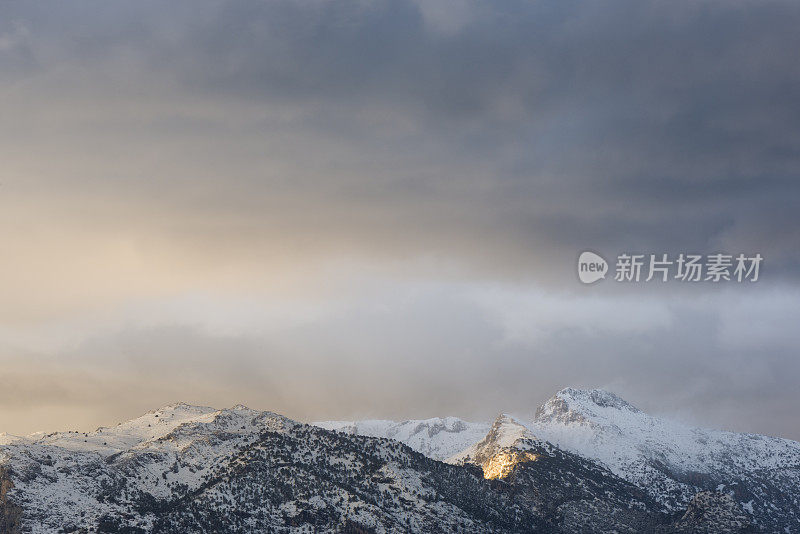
x=672, y=461
x=61, y=478
x=587, y=459
x=242, y=471
x=6, y=439
x=185, y=469
x=588, y=497
x=436, y=438
x=124, y=436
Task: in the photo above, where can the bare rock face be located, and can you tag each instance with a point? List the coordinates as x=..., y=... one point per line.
x=10, y=513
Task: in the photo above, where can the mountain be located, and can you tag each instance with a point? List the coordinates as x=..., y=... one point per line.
x=436, y=438
x=674, y=462
x=589, y=462
x=186, y=469
x=745, y=481
x=577, y=494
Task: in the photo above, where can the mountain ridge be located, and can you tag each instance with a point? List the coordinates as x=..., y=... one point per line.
x=671, y=461
x=589, y=461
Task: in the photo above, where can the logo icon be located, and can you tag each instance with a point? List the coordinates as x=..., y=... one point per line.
x=591, y=267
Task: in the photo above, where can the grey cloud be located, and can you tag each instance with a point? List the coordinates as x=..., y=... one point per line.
x=155, y=149
x=639, y=121
x=636, y=123
x=415, y=352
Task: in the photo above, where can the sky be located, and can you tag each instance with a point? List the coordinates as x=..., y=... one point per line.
x=374, y=208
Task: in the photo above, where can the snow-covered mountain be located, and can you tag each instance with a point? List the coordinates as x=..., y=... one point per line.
x=672, y=462
x=186, y=469
x=65, y=479
x=588, y=462
x=436, y=438
x=559, y=484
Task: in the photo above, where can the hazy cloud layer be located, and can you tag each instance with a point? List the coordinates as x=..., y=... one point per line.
x=179, y=178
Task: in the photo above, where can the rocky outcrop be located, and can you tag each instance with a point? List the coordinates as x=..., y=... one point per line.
x=712, y=512
x=10, y=512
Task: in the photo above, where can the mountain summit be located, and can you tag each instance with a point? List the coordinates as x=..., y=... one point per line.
x=576, y=405
x=673, y=462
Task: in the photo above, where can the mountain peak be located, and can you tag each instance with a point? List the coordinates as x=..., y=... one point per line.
x=599, y=397
x=179, y=408
x=506, y=433
x=656, y=454
x=572, y=405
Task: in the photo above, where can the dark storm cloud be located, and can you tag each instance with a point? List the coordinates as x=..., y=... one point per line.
x=642, y=125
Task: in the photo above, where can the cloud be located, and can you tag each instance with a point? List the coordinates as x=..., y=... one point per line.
x=393, y=347
x=176, y=175
x=525, y=126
